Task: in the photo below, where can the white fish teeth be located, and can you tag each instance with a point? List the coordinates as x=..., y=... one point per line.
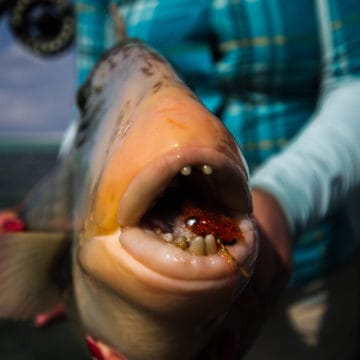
x=169, y=237
x=197, y=246
x=246, y=225
x=206, y=169
x=158, y=231
x=210, y=244
x=186, y=170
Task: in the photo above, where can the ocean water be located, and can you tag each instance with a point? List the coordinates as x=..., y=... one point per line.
x=20, y=168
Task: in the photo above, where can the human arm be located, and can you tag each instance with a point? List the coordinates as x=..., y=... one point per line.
x=311, y=177
x=317, y=172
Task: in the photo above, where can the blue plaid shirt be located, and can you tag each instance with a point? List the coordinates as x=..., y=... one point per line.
x=257, y=64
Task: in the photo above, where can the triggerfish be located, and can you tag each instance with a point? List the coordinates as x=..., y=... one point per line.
x=143, y=230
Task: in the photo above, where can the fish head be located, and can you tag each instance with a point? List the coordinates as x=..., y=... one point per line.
x=166, y=241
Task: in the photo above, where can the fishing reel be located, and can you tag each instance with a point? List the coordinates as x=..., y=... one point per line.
x=47, y=27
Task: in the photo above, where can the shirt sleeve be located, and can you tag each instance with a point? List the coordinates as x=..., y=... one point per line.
x=318, y=170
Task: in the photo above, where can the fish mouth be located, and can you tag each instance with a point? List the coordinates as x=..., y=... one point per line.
x=186, y=216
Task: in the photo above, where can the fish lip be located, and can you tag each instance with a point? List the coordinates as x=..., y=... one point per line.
x=151, y=255
x=166, y=280
x=229, y=176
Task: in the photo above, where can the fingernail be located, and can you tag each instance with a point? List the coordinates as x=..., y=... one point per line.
x=94, y=348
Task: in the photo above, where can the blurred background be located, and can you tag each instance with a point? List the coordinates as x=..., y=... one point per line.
x=37, y=91
x=36, y=105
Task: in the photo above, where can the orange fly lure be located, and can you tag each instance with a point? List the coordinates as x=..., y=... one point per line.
x=202, y=221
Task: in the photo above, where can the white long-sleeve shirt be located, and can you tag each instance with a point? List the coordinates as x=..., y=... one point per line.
x=320, y=170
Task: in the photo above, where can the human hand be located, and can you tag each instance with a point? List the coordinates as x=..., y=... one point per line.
x=271, y=274
x=273, y=265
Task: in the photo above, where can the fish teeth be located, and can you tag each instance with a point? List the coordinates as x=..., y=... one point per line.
x=158, y=231
x=186, y=170
x=169, y=237
x=206, y=169
x=180, y=242
x=246, y=225
x=197, y=246
x=210, y=244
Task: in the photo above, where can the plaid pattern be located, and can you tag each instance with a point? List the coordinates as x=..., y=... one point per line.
x=257, y=64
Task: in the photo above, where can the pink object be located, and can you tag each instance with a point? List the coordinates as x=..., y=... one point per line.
x=13, y=225
x=94, y=348
x=9, y=222
x=100, y=351
x=54, y=315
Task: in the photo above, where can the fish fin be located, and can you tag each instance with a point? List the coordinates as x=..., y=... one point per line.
x=47, y=207
x=28, y=262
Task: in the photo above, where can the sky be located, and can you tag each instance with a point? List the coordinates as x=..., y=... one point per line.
x=36, y=94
